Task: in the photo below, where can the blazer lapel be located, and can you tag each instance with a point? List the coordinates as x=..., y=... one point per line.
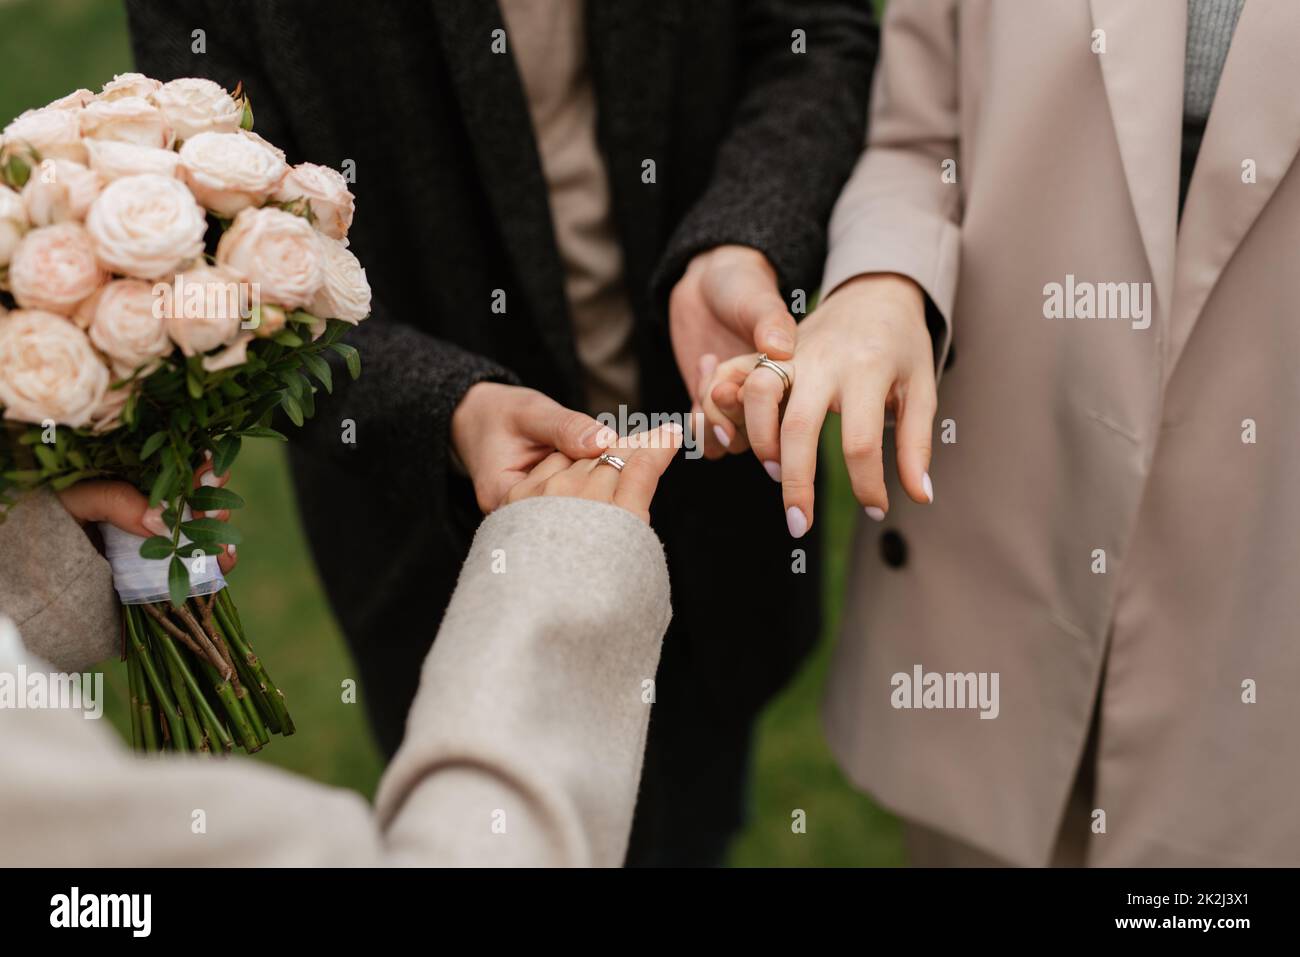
x=1255, y=117
x=498, y=124
x=1142, y=68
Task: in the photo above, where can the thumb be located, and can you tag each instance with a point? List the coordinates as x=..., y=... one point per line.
x=751, y=303
x=576, y=434
x=774, y=329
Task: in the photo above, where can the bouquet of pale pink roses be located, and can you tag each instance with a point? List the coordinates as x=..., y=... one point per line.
x=167, y=282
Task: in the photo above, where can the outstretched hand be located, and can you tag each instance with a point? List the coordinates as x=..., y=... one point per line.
x=726, y=304
x=865, y=352
x=645, y=456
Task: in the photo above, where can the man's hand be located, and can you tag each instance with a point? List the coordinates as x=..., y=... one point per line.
x=500, y=432
x=726, y=304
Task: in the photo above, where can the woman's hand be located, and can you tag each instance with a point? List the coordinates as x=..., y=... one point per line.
x=123, y=505
x=865, y=351
x=500, y=432
x=647, y=455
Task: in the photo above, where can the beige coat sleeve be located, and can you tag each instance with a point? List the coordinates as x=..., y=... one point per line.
x=55, y=586
x=523, y=747
x=899, y=212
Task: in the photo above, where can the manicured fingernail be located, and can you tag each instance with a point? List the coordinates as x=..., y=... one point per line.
x=721, y=435
x=230, y=550
x=927, y=486
x=153, y=521
x=209, y=478
x=796, y=522
x=875, y=513
x=780, y=342
x=774, y=470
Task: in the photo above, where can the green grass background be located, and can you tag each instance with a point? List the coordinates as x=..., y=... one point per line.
x=50, y=47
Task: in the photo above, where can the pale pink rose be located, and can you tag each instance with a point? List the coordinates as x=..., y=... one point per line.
x=126, y=326
x=60, y=190
x=54, y=268
x=52, y=132
x=228, y=172
x=48, y=369
x=73, y=101
x=326, y=194
x=13, y=223
x=204, y=308
x=235, y=354
x=277, y=251
x=107, y=416
x=345, y=293
x=131, y=119
x=256, y=138
x=193, y=106
x=129, y=84
x=113, y=160
x=146, y=226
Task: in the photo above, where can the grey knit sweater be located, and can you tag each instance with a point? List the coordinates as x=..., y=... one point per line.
x=1210, y=25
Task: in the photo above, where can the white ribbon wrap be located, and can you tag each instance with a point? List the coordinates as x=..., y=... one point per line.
x=141, y=581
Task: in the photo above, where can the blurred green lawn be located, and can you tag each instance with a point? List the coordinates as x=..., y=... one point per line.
x=50, y=47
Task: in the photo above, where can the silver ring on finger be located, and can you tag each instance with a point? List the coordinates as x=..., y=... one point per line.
x=765, y=363
x=614, y=460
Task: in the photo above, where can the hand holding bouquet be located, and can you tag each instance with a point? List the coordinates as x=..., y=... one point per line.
x=167, y=282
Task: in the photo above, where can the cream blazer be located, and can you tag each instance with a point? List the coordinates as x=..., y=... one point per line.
x=1116, y=526
x=523, y=746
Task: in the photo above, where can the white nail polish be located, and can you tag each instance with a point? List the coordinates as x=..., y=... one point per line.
x=721, y=435
x=875, y=513
x=209, y=478
x=796, y=521
x=773, y=470
x=927, y=486
x=230, y=550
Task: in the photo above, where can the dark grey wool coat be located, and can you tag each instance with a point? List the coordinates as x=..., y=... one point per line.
x=752, y=141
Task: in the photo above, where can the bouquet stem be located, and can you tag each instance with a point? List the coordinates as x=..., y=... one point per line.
x=196, y=685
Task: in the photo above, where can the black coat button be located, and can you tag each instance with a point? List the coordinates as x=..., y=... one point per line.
x=893, y=549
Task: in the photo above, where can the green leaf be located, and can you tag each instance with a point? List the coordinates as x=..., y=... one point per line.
x=292, y=409
x=70, y=479
x=227, y=451
x=320, y=369
x=246, y=118
x=287, y=337
x=211, y=499
x=210, y=531
x=156, y=547
x=162, y=484
x=24, y=476
x=178, y=582
x=48, y=458
x=262, y=432
x=193, y=386
x=152, y=445
x=131, y=409
x=308, y=401
x=350, y=356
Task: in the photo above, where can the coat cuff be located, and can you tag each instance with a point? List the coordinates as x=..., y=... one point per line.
x=901, y=239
